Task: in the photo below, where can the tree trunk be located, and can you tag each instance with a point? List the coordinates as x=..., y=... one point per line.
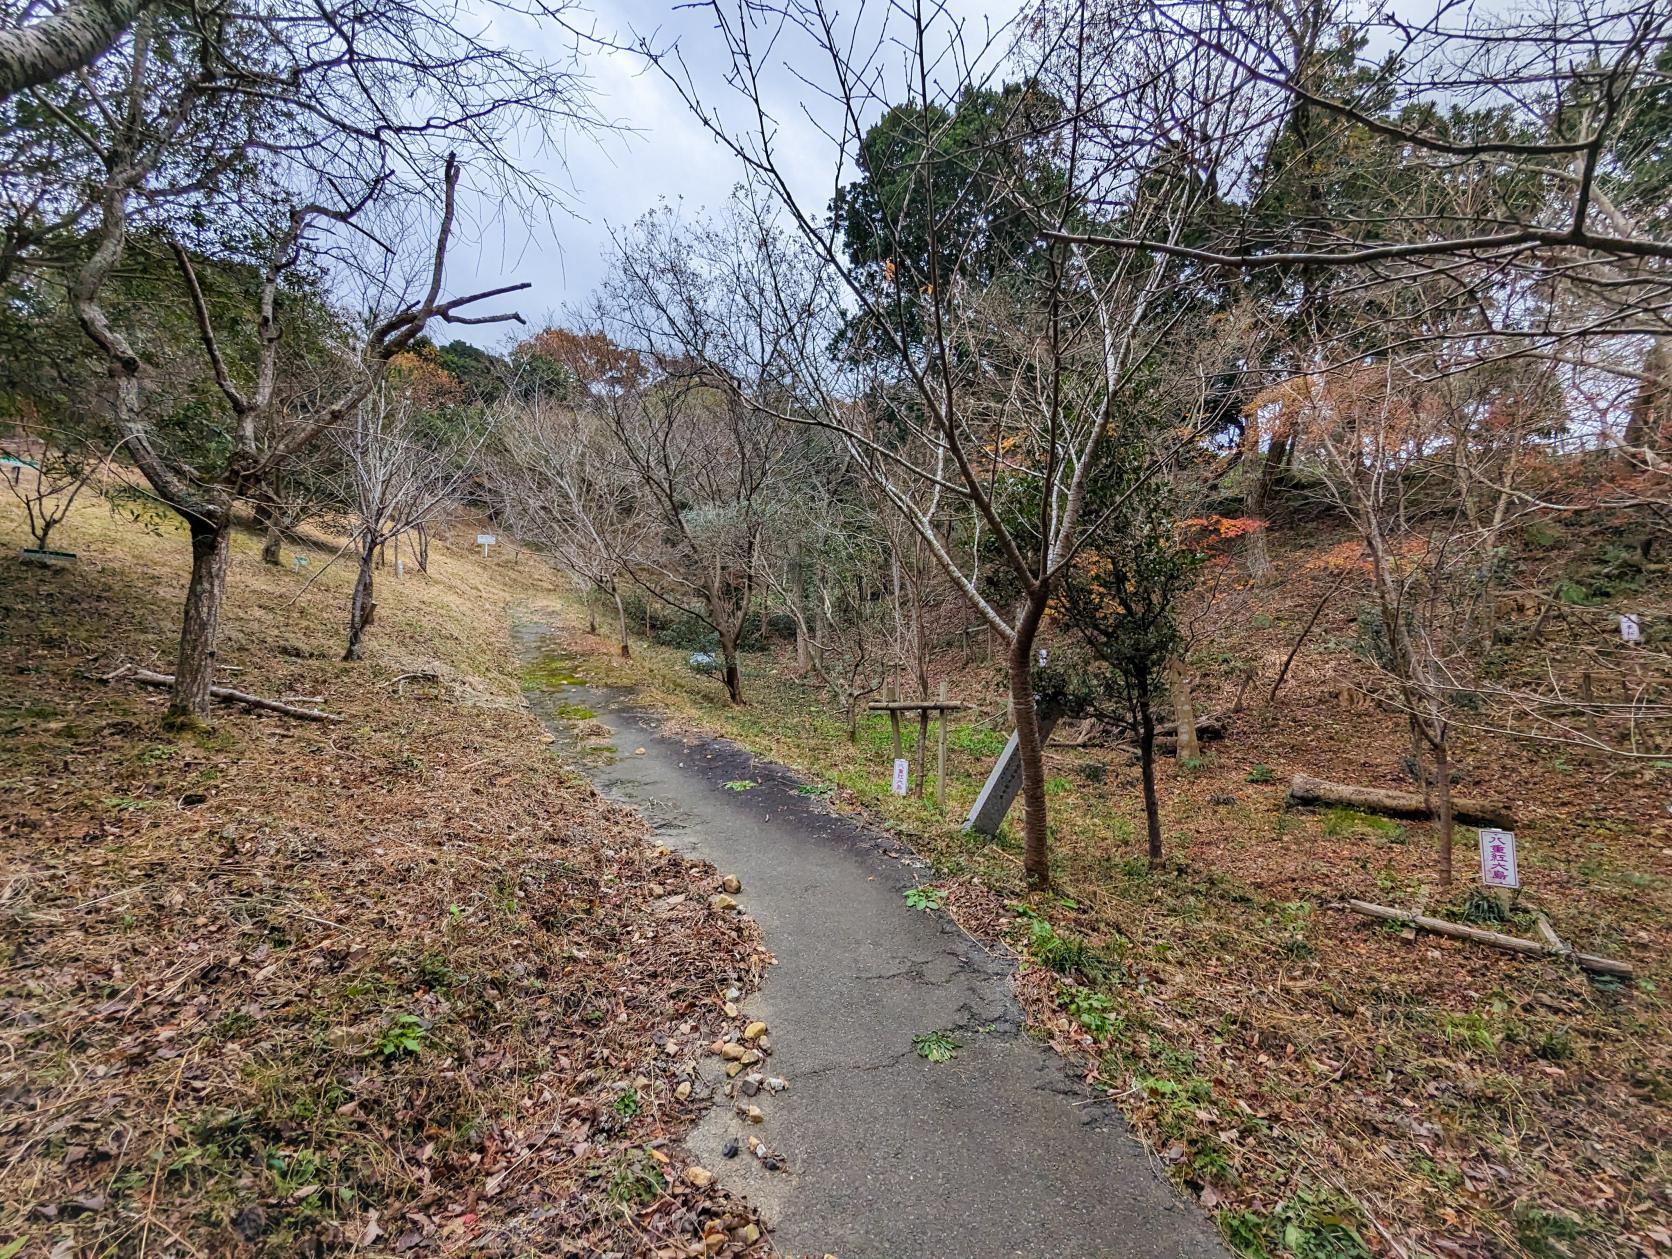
x=1651, y=397
x=1030, y=749
x=194, y=669
x=591, y=615
x=1184, y=711
x=853, y=717
x=271, y=541
x=1442, y=770
x=423, y=548
x=1146, y=764
x=1254, y=550
x=733, y=676
x=361, y=606
x=798, y=606
x=621, y=624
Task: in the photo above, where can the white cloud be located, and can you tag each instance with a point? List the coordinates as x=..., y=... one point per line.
x=661, y=153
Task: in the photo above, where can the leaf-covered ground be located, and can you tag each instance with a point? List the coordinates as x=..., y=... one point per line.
x=397, y=985
x=1326, y=1085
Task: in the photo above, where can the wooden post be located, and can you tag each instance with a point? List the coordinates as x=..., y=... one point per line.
x=940, y=750
x=922, y=750
x=1590, y=712
x=894, y=720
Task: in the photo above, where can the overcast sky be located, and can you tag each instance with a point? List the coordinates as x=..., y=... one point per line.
x=663, y=155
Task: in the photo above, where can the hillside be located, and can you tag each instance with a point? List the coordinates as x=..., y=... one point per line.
x=368, y=986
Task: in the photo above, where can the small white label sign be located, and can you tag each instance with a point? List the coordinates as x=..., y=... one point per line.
x=1631, y=630
x=902, y=775
x=1497, y=859
x=485, y=539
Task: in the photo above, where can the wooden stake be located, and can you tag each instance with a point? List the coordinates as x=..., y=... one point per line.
x=940, y=752
x=922, y=750
x=894, y=720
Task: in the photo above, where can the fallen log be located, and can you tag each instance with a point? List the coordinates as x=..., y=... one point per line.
x=145, y=677
x=1513, y=944
x=1307, y=790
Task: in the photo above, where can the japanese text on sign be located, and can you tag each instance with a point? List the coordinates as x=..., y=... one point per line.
x=1497, y=859
x=902, y=772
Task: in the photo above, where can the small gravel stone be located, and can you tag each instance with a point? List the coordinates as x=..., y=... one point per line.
x=730, y=1148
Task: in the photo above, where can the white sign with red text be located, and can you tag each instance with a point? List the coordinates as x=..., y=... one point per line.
x=1497, y=859
x=902, y=775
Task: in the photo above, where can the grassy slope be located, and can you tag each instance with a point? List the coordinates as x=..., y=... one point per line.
x=1318, y=1080
x=383, y=986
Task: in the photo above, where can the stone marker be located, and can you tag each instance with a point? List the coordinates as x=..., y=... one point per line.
x=1002, y=784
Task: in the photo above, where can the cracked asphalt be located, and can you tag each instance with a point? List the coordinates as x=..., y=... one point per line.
x=999, y=1152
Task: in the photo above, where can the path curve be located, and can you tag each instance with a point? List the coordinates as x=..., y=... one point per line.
x=998, y=1153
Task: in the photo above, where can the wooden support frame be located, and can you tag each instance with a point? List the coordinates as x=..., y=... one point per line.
x=894, y=707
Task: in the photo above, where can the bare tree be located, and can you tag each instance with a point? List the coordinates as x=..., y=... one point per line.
x=399, y=476
x=50, y=470
x=1427, y=475
x=206, y=499
x=558, y=479
x=186, y=110
x=711, y=461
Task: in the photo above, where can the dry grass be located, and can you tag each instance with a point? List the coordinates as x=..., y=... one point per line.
x=398, y=985
x=1326, y=1086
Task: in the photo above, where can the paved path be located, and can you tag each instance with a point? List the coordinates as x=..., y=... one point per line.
x=998, y=1153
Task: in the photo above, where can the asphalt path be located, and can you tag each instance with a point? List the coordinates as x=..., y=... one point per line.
x=883, y=1155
